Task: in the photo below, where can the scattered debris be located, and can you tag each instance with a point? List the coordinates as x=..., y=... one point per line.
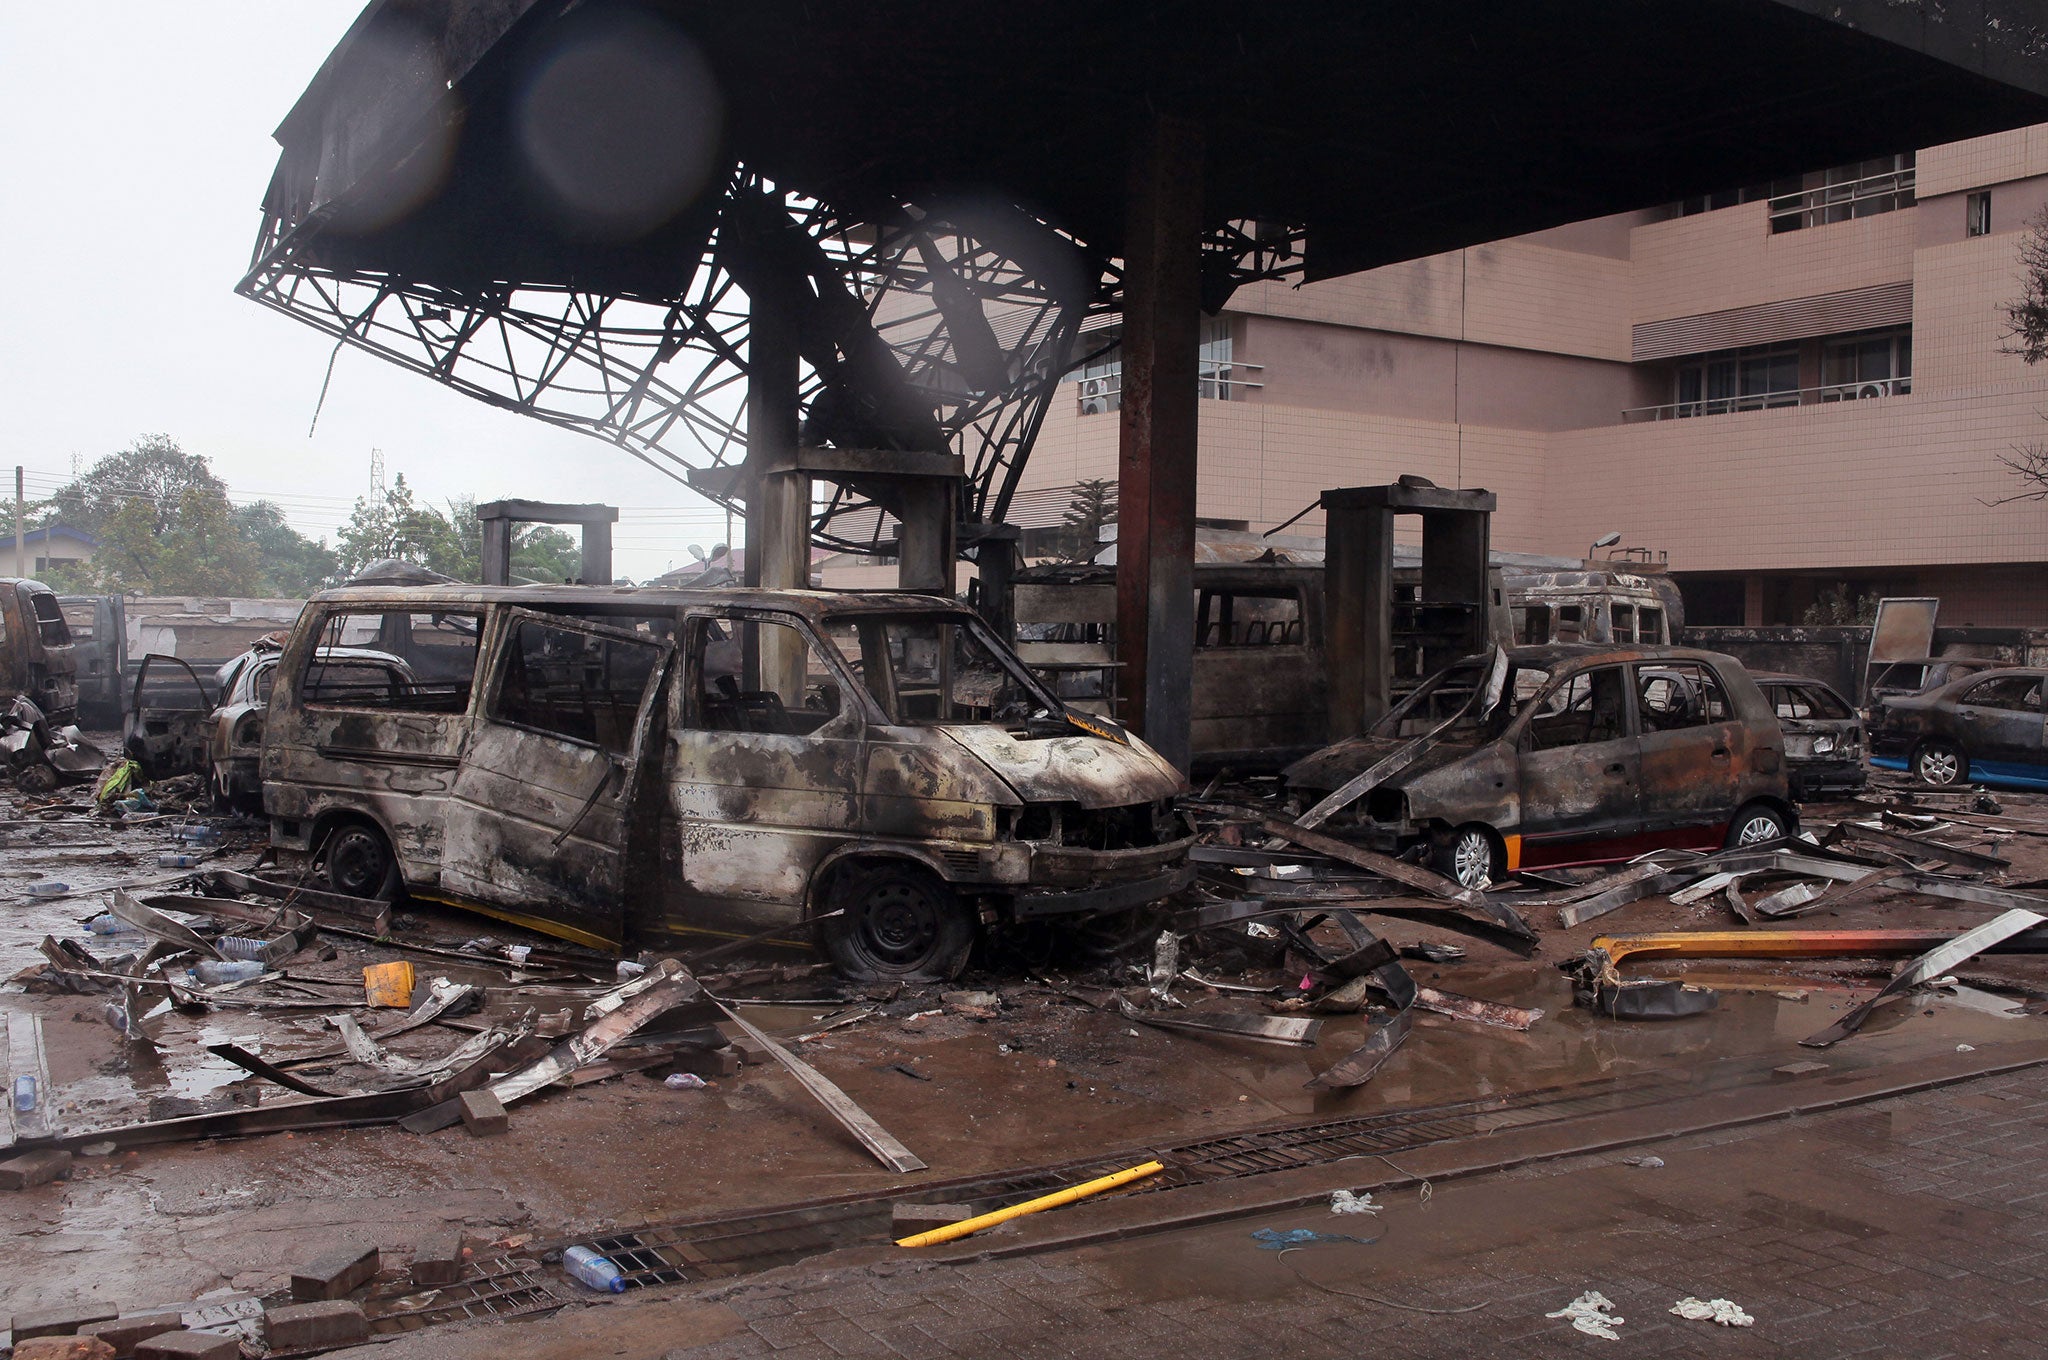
x=1278, y=1239
x=1345, y=1202
x=1592, y=1313
x=1647, y=1163
x=1710, y=1310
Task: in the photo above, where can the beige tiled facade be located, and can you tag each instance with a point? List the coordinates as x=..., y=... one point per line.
x=1508, y=366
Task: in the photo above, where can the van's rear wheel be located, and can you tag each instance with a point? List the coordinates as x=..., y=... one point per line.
x=896, y=921
x=359, y=863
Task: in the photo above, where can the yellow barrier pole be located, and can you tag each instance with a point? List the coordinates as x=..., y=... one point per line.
x=1032, y=1206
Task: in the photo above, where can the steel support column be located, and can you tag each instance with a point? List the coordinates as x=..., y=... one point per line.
x=1155, y=589
x=778, y=495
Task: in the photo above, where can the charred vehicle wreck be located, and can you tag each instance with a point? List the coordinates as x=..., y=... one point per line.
x=639, y=763
x=1535, y=757
x=37, y=659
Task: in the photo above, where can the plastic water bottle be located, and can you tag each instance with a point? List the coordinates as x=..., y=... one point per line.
x=168, y=861
x=48, y=889
x=25, y=1097
x=629, y=969
x=241, y=947
x=196, y=835
x=213, y=972
x=106, y=923
x=593, y=1270
x=685, y=1081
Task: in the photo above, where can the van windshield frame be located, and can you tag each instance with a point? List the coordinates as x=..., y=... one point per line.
x=941, y=668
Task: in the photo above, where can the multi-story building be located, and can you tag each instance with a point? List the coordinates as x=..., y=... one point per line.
x=1795, y=392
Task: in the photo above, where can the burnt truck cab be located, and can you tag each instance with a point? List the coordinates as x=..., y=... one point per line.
x=1543, y=757
x=605, y=763
x=37, y=659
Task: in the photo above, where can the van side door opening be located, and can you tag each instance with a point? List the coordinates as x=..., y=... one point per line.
x=538, y=817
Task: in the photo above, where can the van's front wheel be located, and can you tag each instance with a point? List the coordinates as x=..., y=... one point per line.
x=896, y=921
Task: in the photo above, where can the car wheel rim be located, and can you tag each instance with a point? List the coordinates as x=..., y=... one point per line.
x=899, y=925
x=1938, y=767
x=1757, y=830
x=357, y=864
x=1472, y=860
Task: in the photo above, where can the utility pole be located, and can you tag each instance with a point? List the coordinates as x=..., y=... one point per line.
x=20, y=545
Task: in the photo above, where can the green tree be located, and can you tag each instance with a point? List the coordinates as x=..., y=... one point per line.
x=153, y=471
x=400, y=526
x=289, y=563
x=1093, y=506
x=541, y=552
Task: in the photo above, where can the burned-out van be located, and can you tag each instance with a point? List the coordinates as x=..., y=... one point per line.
x=611, y=763
x=37, y=660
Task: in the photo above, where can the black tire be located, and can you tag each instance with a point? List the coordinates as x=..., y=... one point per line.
x=1940, y=764
x=357, y=862
x=1757, y=823
x=896, y=922
x=1471, y=856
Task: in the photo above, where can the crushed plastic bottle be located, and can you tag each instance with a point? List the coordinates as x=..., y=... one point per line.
x=106, y=923
x=197, y=835
x=685, y=1081
x=116, y=1015
x=593, y=1270
x=24, y=1093
x=47, y=888
x=241, y=947
x=174, y=861
x=213, y=972
x=629, y=969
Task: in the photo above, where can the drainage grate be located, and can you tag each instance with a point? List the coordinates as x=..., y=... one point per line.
x=509, y=1286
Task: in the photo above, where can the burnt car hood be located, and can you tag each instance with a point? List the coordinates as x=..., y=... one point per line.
x=1091, y=771
x=1333, y=766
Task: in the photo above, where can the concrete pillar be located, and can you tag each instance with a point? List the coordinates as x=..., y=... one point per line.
x=1752, y=602
x=927, y=537
x=497, y=563
x=597, y=554
x=778, y=503
x=1358, y=616
x=1155, y=594
x=1454, y=548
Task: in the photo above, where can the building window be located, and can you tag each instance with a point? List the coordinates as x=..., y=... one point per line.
x=1878, y=364
x=1099, y=380
x=1738, y=380
x=1977, y=214
x=1860, y=189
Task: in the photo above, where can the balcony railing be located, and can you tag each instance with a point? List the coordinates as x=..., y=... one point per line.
x=1763, y=401
x=1219, y=382
x=1864, y=197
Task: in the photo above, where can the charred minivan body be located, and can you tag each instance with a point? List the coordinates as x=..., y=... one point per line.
x=1537, y=757
x=37, y=659
x=605, y=763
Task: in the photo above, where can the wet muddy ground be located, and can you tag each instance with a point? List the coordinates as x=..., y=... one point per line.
x=1043, y=1079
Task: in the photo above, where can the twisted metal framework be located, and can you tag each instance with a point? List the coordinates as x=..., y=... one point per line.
x=922, y=331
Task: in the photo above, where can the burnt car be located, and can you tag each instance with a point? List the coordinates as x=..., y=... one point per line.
x=605, y=763
x=1918, y=675
x=1824, y=738
x=37, y=659
x=234, y=730
x=1543, y=757
x=1986, y=728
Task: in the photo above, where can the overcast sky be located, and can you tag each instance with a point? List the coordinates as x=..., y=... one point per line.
x=136, y=151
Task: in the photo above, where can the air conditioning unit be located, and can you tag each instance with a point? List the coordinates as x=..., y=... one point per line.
x=1874, y=389
x=1094, y=396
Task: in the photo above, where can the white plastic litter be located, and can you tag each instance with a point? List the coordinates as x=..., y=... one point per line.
x=1966, y=1048
x=1344, y=1202
x=1589, y=1313
x=1651, y=1163
x=1710, y=1310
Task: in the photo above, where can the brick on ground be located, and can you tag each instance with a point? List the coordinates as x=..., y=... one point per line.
x=438, y=1258
x=63, y=1320
x=305, y=1326
x=31, y=1169
x=483, y=1113
x=335, y=1273
x=130, y=1330
x=190, y=1346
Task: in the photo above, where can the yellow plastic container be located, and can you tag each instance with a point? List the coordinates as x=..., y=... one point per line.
x=389, y=984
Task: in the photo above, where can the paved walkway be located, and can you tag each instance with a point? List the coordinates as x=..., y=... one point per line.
x=1909, y=1227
